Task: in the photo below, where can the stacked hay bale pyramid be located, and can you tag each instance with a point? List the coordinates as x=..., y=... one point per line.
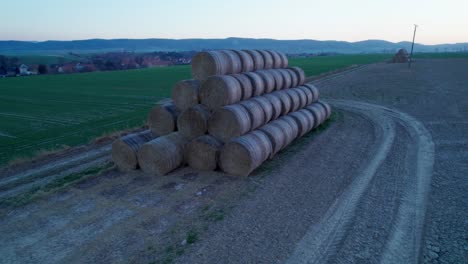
x=401, y=56
x=241, y=108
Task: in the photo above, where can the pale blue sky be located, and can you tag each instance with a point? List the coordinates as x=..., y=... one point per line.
x=440, y=21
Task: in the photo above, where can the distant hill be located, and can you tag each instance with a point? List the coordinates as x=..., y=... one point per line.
x=288, y=46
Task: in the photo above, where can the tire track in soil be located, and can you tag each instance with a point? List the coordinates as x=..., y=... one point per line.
x=24, y=181
x=320, y=242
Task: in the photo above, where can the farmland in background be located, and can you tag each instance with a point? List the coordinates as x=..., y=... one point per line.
x=317, y=65
x=47, y=112
x=441, y=55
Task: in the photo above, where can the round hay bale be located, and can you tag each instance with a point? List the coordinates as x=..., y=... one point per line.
x=327, y=108
x=185, y=94
x=308, y=93
x=267, y=59
x=302, y=96
x=300, y=75
x=276, y=104
x=277, y=60
x=318, y=112
x=294, y=79
x=302, y=121
x=258, y=85
x=202, y=153
x=310, y=117
x=125, y=149
x=295, y=99
x=278, y=77
x=256, y=113
x=162, y=155
x=234, y=62
x=209, y=63
x=323, y=109
x=259, y=63
x=286, y=102
x=268, y=80
x=267, y=108
x=246, y=60
x=162, y=119
x=286, y=129
x=246, y=85
x=294, y=127
x=314, y=90
x=193, y=122
x=284, y=59
x=220, y=90
x=287, y=80
x=228, y=122
x=276, y=135
x=242, y=155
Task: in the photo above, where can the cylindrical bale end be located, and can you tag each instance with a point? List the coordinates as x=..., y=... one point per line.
x=125, y=149
x=303, y=122
x=276, y=104
x=278, y=77
x=246, y=86
x=259, y=63
x=295, y=99
x=287, y=79
x=294, y=126
x=234, y=62
x=256, y=113
x=267, y=59
x=162, y=155
x=300, y=75
x=162, y=118
x=318, y=112
x=193, y=122
x=202, y=153
x=228, y=122
x=220, y=90
x=286, y=102
x=268, y=80
x=288, y=131
x=267, y=107
x=284, y=59
x=246, y=60
x=277, y=60
x=241, y=155
x=293, y=76
x=258, y=85
x=327, y=108
x=209, y=63
x=186, y=94
x=276, y=135
x=314, y=90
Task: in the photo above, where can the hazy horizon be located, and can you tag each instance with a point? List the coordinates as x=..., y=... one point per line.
x=442, y=43
x=340, y=20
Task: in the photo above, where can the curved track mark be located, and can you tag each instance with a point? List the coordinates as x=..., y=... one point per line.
x=321, y=240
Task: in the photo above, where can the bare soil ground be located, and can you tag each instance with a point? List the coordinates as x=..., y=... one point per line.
x=384, y=181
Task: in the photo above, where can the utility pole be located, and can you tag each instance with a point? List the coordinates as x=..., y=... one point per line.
x=412, y=46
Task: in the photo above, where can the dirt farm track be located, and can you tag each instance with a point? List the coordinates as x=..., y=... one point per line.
x=384, y=182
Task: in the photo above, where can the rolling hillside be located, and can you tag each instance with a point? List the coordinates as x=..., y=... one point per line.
x=288, y=46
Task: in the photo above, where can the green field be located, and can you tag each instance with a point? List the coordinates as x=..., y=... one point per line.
x=46, y=112
x=441, y=55
x=317, y=65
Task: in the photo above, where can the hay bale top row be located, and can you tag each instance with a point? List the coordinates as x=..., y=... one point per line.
x=209, y=63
